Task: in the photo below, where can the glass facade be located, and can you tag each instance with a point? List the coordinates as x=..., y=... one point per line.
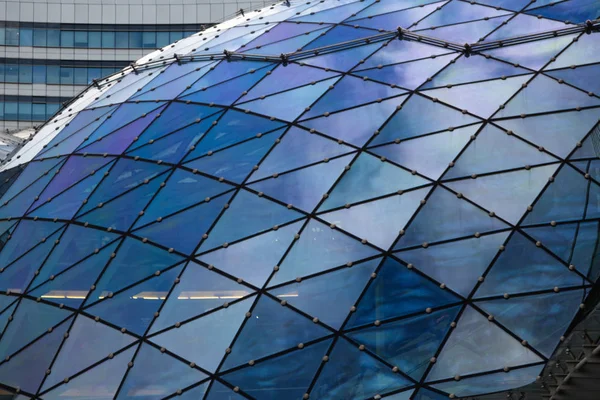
x=308, y=202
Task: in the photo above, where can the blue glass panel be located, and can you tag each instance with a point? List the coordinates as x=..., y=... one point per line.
x=585, y=51
x=198, y=292
x=282, y=31
x=496, y=192
x=582, y=77
x=305, y=187
x=408, y=343
x=457, y=12
x=558, y=239
x=159, y=89
x=91, y=341
x=398, y=51
x=27, y=369
x=227, y=70
x=458, y=264
x=247, y=214
x=7, y=313
x=178, y=71
x=348, y=92
x=144, y=379
x=383, y=7
x=31, y=174
x=585, y=248
x=340, y=33
x=404, y=18
x=398, y=291
x=445, y=217
x=494, y=150
x=357, y=125
x=195, y=393
x=429, y=155
x=287, y=376
x=524, y=24
x=133, y=262
x=481, y=99
x=333, y=14
x=288, y=46
x=182, y=190
x=543, y=272
x=544, y=94
x=378, y=221
x=559, y=133
x=289, y=105
x=133, y=309
x=424, y=394
x=563, y=200
x=494, y=382
x=71, y=287
x=532, y=55
x=374, y=177
x=343, y=60
x=408, y=75
x=30, y=321
x=318, y=249
x=468, y=32
x=99, y=383
x=253, y=259
x=19, y=204
x=353, y=374
x=27, y=235
x=227, y=92
x=538, y=319
x=338, y=289
x=128, y=86
x=576, y=10
x=233, y=127
x=298, y=148
x=270, y=329
x=208, y=349
x=414, y=120
x=478, y=345
x=218, y=391
x=515, y=5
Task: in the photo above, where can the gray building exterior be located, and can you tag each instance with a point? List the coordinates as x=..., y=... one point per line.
x=50, y=50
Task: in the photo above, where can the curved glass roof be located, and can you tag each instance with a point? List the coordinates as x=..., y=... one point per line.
x=329, y=200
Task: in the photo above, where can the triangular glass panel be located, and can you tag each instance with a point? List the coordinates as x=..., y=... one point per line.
x=5, y=315
x=494, y=150
x=408, y=343
x=100, y=382
x=133, y=309
x=474, y=68
x=395, y=292
x=457, y=12
x=72, y=286
x=25, y=236
x=195, y=393
x=234, y=127
x=585, y=250
x=534, y=54
x=305, y=187
x=182, y=190
x=289, y=45
x=538, y=319
x=543, y=272
x=587, y=150
x=225, y=93
x=122, y=212
x=333, y=14
x=282, y=31
x=544, y=94
x=523, y=25
x=424, y=394
x=468, y=32
x=408, y=75
x=133, y=261
x=404, y=18
x=478, y=345
x=343, y=60
x=496, y=192
x=198, y=291
x=578, y=10
x=582, y=77
x=218, y=391
x=458, y=265
x=177, y=73
x=208, y=349
x=236, y=163
x=246, y=215
x=144, y=379
x=584, y=51
x=558, y=239
x=337, y=34
x=27, y=369
x=338, y=289
x=515, y=5
x=558, y=132
x=91, y=341
x=119, y=140
x=453, y=218
x=291, y=104
x=286, y=77
x=253, y=259
x=384, y=7
x=356, y=125
x=378, y=221
x=271, y=329
x=374, y=178
x=128, y=86
x=320, y=248
x=354, y=374
x=285, y=155
x=415, y=119
x=30, y=320
x=497, y=382
x=563, y=200
x=477, y=98
x=429, y=155
x=398, y=51
x=287, y=376
x=351, y=91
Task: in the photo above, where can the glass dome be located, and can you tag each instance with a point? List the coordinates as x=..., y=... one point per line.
x=328, y=200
